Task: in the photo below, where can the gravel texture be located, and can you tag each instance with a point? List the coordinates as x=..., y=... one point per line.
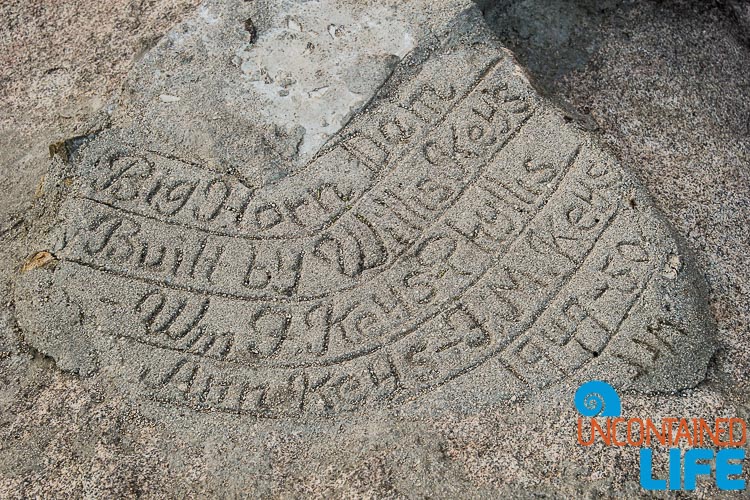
x=665, y=85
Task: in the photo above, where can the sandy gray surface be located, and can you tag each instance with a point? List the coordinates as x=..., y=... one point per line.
x=647, y=99
x=667, y=86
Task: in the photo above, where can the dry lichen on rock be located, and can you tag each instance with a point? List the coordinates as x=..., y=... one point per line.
x=38, y=260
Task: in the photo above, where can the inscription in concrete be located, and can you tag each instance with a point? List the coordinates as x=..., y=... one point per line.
x=454, y=220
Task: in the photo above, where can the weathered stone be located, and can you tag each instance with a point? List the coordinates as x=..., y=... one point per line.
x=390, y=219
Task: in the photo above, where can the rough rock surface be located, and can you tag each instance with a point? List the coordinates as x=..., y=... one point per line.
x=383, y=452
x=676, y=115
x=445, y=230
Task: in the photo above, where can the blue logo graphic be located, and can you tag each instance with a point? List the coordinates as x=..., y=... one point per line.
x=598, y=399
x=724, y=466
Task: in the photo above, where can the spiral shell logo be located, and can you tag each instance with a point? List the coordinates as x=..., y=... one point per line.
x=598, y=399
x=601, y=409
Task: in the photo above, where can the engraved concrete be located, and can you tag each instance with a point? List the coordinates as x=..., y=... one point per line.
x=448, y=239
